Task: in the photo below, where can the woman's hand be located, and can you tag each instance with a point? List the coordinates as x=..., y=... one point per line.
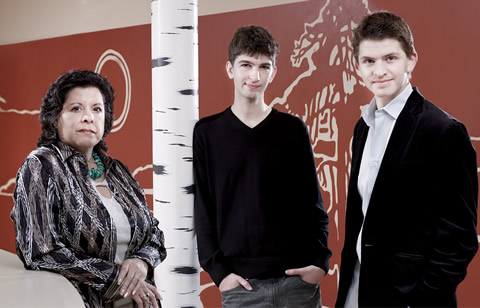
x=132, y=280
x=132, y=271
x=144, y=294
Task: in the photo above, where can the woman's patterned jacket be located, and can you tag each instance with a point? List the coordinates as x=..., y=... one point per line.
x=62, y=226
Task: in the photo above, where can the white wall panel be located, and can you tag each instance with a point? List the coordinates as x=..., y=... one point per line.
x=28, y=20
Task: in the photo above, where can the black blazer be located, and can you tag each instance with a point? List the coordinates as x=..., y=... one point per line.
x=419, y=233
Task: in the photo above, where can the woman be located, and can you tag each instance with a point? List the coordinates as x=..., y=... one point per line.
x=79, y=212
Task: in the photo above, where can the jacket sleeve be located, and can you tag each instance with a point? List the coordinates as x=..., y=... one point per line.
x=455, y=240
x=151, y=249
x=210, y=256
x=39, y=245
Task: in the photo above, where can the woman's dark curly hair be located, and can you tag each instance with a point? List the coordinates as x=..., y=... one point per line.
x=52, y=103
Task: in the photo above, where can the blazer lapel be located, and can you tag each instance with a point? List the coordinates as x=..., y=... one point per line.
x=401, y=134
x=360, y=140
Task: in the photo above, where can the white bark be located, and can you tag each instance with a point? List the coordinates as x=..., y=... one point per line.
x=175, y=111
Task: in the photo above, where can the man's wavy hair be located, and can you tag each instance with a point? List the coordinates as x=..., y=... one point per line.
x=383, y=25
x=252, y=41
x=52, y=104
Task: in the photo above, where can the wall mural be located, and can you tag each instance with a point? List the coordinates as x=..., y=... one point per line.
x=322, y=105
x=316, y=81
x=6, y=189
x=115, y=56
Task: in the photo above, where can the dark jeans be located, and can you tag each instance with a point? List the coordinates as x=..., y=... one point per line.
x=289, y=291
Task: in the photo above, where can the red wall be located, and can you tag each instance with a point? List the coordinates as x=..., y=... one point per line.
x=447, y=73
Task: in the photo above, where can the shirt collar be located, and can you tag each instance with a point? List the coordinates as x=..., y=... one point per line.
x=393, y=108
x=64, y=150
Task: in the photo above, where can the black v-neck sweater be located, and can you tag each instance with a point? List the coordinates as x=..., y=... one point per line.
x=258, y=207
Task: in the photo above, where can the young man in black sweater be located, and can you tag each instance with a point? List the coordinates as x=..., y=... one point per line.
x=261, y=225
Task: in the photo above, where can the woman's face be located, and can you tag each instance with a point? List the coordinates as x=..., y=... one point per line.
x=82, y=119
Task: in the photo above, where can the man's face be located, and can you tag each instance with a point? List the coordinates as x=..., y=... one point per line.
x=251, y=75
x=384, y=68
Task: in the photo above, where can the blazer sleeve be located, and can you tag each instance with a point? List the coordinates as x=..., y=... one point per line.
x=39, y=244
x=455, y=238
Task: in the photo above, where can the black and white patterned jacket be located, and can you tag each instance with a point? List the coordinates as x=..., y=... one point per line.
x=62, y=226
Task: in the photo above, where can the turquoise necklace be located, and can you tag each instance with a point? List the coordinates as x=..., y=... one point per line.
x=95, y=174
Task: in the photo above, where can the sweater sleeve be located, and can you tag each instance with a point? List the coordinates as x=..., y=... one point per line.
x=318, y=218
x=211, y=257
x=38, y=242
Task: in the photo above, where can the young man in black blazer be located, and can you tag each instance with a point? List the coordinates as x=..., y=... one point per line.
x=412, y=199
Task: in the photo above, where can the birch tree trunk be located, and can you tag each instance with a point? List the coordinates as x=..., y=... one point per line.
x=175, y=111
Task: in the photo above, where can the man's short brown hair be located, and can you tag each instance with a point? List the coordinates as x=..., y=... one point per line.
x=252, y=40
x=383, y=25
